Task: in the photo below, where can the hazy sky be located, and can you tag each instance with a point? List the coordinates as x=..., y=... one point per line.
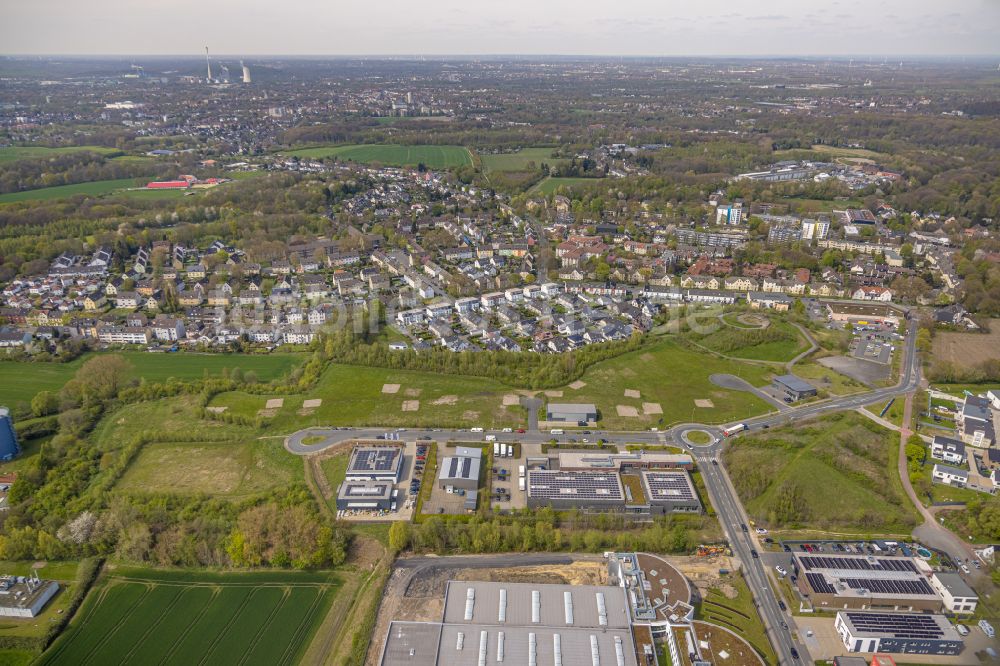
x=599, y=27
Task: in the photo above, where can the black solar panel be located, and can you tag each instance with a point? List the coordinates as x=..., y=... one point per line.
x=857, y=563
x=888, y=586
x=908, y=625
x=549, y=484
x=669, y=486
x=819, y=584
x=374, y=460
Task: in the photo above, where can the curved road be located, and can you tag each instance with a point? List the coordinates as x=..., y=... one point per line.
x=731, y=514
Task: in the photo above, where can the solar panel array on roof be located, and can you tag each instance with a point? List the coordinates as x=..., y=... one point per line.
x=549, y=484
x=859, y=563
x=889, y=586
x=818, y=583
x=896, y=625
x=373, y=460
x=669, y=486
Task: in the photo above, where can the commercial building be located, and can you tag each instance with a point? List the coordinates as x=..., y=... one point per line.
x=863, y=582
x=911, y=633
x=587, y=491
x=957, y=595
x=794, y=388
x=670, y=492
x=521, y=624
x=852, y=313
x=25, y=597
x=622, y=462
x=581, y=413
x=461, y=470
x=9, y=446
x=376, y=463
x=365, y=494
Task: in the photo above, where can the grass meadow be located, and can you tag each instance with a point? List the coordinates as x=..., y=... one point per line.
x=552, y=185
x=14, y=153
x=837, y=474
x=434, y=157
x=92, y=189
x=520, y=160
x=137, y=616
x=22, y=380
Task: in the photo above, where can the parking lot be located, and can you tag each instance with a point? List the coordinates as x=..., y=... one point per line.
x=874, y=342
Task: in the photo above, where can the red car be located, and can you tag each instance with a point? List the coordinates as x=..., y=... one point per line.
x=520, y=431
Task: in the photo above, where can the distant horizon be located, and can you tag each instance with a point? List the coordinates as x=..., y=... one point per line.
x=860, y=58
x=628, y=28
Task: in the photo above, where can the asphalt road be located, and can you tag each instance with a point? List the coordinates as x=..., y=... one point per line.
x=724, y=498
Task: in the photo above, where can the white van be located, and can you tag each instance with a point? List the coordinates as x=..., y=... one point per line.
x=491, y=438
x=475, y=429
x=556, y=432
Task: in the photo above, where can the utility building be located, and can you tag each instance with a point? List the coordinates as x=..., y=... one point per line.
x=376, y=462
x=912, y=633
x=577, y=414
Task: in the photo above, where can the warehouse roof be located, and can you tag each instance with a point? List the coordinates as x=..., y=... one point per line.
x=669, y=487
x=514, y=604
x=459, y=467
x=898, y=625
x=572, y=407
x=793, y=383
x=582, y=486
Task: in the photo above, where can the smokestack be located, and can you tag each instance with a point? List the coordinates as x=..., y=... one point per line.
x=246, y=72
x=208, y=65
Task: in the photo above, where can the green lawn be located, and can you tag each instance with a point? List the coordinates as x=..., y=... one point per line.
x=230, y=469
x=836, y=474
x=22, y=380
x=137, y=616
x=551, y=185
x=829, y=382
x=666, y=374
x=434, y=157
x=13, y=153
x=520, y=160
x=93, y=189
x=779, y=342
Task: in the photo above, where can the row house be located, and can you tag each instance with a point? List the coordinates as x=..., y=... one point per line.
x=769, y=300
x=872, y=293
x=771, y=285
x=740, y=284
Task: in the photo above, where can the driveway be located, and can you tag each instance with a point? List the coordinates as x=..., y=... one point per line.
x=735, y=383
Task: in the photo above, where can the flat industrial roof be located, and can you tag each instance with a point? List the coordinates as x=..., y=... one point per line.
x=863, y=576
x=794, y=383
x=665, y=487
x=572, y=408
x=604, y=460
x=374, y=460
x=517, y=608
x=434, y=644
x=356, y=489
x=459, y=467
x=955, y=585
x=899, y=625
x=582, y=486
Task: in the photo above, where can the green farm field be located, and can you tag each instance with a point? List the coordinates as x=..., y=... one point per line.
x=22, y=380
x=520, y=160
x=137, y=616
x=14, y=153
x=434, y=157
x=666, y=374
x=836, y=474
x=551, y=185
x=92, y=189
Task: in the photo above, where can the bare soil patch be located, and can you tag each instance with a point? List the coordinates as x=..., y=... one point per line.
x=275, y=403
x=632, y=393
x=411, y=405
x=651, y=408
x=967, y=349
x=577, y=385
x=412, y=393
x=312, y=403
x=390, y=388
x=470, y=415
x=446, y=400
x=554, y=394
x=704, y=403
x=267, y=413
x=217, y=410
x=511, y=399
x=627, y=410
